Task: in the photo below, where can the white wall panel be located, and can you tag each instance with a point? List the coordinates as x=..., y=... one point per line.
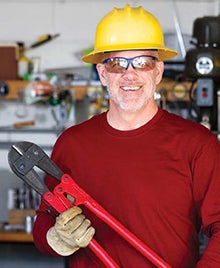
x=76, y=22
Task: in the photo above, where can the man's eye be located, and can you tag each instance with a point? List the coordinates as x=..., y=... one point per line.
x=123, y=63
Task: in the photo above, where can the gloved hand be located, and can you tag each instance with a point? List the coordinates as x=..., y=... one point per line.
x=71, y=231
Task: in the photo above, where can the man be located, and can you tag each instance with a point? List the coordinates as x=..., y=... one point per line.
x=155, y=172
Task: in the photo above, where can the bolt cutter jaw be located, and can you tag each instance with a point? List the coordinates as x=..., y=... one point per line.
x=24, y=157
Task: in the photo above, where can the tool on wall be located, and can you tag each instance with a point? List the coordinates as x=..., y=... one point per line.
x=24, y=63
x=23, y=157
x=42, y=40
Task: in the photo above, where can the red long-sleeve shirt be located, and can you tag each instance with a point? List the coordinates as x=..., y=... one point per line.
x=161, y=181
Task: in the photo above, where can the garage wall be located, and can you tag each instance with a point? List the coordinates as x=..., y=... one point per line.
x=75, y=20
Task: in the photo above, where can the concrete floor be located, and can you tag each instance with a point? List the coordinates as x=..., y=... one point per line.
x=25, y=255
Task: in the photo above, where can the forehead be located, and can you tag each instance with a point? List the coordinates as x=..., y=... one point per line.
x=130, y=53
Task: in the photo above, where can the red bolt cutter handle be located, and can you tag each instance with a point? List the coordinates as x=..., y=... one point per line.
x=24, y=156
x=61, y=203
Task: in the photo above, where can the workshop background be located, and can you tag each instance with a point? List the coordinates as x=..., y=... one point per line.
x=45, y=87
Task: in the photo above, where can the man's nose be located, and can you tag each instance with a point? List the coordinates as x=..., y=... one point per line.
x=130, y=67
x=130, y=72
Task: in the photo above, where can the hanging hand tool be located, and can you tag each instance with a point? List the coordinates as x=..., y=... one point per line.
x=43, y=40
x=24, y=156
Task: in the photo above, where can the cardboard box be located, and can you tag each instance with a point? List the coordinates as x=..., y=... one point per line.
x=17, y=216
x=9, y=61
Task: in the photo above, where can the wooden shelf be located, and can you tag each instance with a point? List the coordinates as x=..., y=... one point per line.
x=16, y=237
x=17, y=86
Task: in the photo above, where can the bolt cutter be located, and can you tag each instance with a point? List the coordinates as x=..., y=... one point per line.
x=24, y=157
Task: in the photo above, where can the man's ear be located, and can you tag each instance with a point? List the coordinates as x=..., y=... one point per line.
x=159, y=69
x=102, y=73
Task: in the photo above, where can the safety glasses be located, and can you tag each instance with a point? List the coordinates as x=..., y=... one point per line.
x=121, y=64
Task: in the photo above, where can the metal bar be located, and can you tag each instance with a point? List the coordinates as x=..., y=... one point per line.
x=178, y=30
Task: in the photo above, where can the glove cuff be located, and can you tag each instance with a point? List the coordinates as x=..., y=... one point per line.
x=58, y=245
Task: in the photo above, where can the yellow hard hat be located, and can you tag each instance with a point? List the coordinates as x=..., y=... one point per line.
x=128, y=28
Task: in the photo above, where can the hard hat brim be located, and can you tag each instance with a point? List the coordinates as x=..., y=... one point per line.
x=95, y=57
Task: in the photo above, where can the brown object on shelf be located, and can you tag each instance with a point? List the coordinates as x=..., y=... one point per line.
x=79, y=92
x=9, y=61
x=17, y=216
x=24, y=124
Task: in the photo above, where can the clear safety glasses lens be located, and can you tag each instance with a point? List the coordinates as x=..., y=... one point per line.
x=120, y=64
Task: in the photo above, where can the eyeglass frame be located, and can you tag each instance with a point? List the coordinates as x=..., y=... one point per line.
x=129, y=61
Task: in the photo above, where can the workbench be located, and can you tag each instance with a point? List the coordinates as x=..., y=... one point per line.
x=15, y=237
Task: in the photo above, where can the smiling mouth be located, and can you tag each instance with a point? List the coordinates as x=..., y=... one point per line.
x=130, y=88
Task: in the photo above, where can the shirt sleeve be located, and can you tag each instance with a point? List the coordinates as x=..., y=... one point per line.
x=206, y=187
x=44, y=221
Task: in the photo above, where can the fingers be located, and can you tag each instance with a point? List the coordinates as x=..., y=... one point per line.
x=73, y=228
x=85, y=239
x=77, y=232
x=82, y=228
x=68, y=215
x=70, y=226
x=82, y=235
x=71, y=231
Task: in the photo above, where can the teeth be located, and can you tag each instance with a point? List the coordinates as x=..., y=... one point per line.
x=130, y=88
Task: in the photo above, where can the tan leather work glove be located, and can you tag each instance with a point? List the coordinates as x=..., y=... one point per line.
x=71, y=231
